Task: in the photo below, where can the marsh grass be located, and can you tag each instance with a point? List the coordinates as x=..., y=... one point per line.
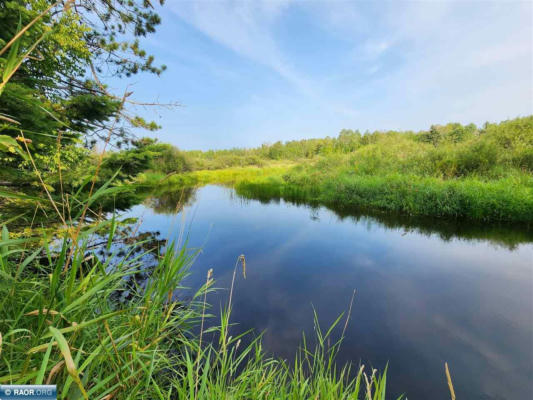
x=197, y=178
x=335, y=182
x=451, y=171
x=505, y=199
x=68, y=328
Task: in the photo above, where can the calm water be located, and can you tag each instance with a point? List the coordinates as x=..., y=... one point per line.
x=427, y=291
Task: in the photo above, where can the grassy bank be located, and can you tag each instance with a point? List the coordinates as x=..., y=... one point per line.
x=452, y=171
x=232, y=175
x=336, y=183
x=88, y=324
x=506, y=199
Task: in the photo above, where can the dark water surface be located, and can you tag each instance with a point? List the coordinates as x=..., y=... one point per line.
x=427, y=291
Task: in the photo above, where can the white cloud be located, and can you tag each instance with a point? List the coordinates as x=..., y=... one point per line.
x=468, y=61
x=412, y=63
x=244, y=27
x=373, y=49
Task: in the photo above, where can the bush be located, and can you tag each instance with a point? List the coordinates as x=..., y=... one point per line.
x=168, y=159
x=477, y=158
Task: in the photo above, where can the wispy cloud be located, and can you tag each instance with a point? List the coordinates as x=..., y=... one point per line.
x=248, y=28
x=463, y=60
x=244, y=27
x=401, y=65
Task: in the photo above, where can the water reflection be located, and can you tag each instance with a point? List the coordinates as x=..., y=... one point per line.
x=427, y=291
x=170, y=201
x=500, y=233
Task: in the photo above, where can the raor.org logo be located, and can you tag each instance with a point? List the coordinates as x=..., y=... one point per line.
x=28, y=392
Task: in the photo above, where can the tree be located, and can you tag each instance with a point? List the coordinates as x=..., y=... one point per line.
x=51, y=91
x=348, y=140
x=145, y=154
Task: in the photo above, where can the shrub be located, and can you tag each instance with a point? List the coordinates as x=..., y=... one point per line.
x=477, y=158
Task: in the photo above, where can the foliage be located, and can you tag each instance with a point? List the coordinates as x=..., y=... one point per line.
x=448, y=171
x=450, y=151
x=499, y=200
x=145, y=154
x=94, y=330
x=47, y=95
x=232, y=176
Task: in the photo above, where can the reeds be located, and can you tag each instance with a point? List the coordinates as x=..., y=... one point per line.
x=449, y=380
x=506, y=199
x=70, y=329
x=485, y=176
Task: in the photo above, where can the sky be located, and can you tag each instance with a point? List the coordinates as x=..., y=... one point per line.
x=252, y=72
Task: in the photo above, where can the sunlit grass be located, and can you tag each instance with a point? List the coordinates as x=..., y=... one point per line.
x=219, y=176
x=449, y=171
x=70, y=328
x=506, y=199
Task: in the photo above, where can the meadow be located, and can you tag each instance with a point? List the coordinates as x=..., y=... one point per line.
x=450, y=171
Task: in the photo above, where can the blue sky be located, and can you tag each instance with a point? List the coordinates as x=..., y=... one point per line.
x=253, y=72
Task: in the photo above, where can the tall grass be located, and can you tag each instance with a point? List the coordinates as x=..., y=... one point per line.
x=221, y=176
x=506, y=199
x=482, y=174
x=71, y=328
x=336, y=183
x=450, y=151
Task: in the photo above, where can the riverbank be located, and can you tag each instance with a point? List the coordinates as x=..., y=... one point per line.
x=507, y=199
x=99, y=321
x=451, y=171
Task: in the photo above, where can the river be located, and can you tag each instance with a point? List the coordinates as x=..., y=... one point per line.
x=427, y=291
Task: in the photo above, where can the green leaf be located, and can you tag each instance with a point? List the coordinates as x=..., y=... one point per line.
x=111, y=232
x=20, y=196
x=10, y=145
x=11, y=61
x=40, y=377
x=67, y=356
